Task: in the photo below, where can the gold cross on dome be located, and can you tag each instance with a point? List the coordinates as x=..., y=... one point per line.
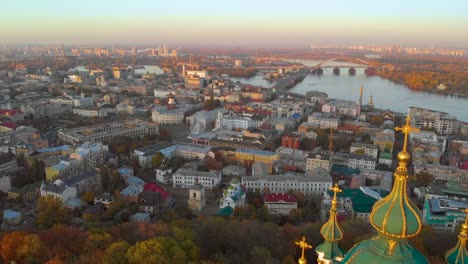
x=303, y=245
x=406, y=129
x=336, y=189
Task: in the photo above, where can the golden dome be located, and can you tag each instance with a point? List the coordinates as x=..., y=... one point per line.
x=403, y=156
x=302, y=261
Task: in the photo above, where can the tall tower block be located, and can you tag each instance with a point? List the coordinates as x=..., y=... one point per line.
x=360, y=100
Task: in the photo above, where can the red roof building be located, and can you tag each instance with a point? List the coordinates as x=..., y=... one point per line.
x=152, y=187
x=280, y=203
x=5, y=125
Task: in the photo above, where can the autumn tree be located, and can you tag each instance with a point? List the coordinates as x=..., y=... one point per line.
x=50, y=212
x=64, y=242
x=88, y=197
x=212, y=164
x=21, y=247
x=157, y=159
x=10, y=242
x=115, y=253
x=160, y=250
x=423, y=178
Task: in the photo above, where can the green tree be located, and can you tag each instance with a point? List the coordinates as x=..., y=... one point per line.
x=157, y=159
x=115, y=253
x=51, y=212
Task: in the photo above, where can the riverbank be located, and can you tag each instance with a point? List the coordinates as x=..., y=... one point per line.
x=416, y=88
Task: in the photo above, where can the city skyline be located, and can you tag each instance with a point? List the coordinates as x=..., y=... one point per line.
x=240, y=23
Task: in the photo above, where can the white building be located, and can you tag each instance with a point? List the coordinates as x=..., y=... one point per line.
x=59, y=190
x=365, y=149
x=440, y=121
x=308, y=185
x=341, y=108
x=201, y=121
x=90, y=154
x=162, y=115
x=184, y=178
x=318, y=120
x=5, y=183
x=229, y=121
x=280, y=203
x=362, y=162
x=164, y=175
x=320, y=160
x=90, y=112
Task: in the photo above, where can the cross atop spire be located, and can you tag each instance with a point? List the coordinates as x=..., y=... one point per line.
x=336, y=189
x=406, y=129
x=303, y=245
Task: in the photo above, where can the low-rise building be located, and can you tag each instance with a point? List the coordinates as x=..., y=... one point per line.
x=364, y=149
x=443, y=214
x=233, y=195
x=308, y=185
x=11, y=217
x=233, y=170
x=280, y=203
x=252, y=156
x=59, y=190
x=90, y=112
x=163, y=115
x=150, y=202
x=7, y=163
x=183, y=178
x=362, y=162
x=5, y=183
x=26, y=194
x=319, y=160
x=319, y=120
x=106, y=131
x=163, y=175
x=291, y=141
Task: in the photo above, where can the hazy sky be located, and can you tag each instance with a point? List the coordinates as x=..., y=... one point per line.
x=236, y=22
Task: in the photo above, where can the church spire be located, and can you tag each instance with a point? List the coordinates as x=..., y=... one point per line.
x=332, y=232
x=303, y=245
x=404, y=215
x=458, y=254
x=395, y=218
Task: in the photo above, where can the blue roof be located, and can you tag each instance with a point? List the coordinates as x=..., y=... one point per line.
x=125, y=170
x=296, y=116
x=55, y=149
x=9, y=214
x=256, y=152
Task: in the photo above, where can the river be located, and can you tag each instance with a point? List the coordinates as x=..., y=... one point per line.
x=386, y=94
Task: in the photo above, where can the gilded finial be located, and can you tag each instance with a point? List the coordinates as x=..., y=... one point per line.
x=336, y=189
x=406, y=129
x=464, y=229
x=303, y=245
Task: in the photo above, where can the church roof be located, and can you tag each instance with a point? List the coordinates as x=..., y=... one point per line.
x=395, y=218
x=458, y=254
x=332, y=232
